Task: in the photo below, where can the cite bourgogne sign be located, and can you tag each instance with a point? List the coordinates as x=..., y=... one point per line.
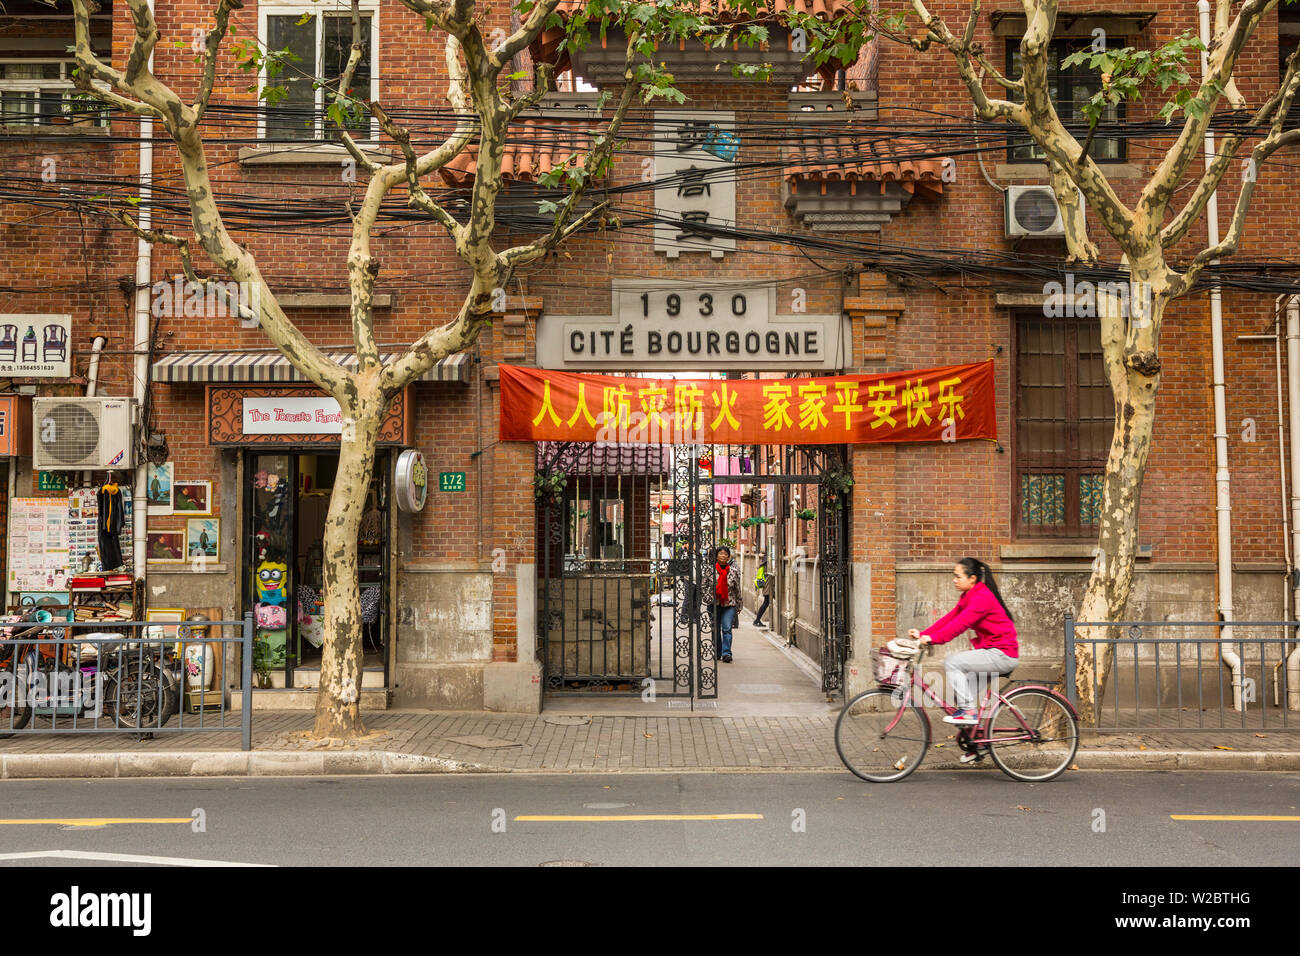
x=715, y=326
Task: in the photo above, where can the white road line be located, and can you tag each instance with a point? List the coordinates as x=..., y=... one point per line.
x=120, y=858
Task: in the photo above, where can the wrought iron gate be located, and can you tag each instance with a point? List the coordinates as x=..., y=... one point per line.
x=620, y=611
x=620, y=607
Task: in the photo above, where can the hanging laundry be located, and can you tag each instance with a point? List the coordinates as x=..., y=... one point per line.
x=109, y=525
x=726, y=494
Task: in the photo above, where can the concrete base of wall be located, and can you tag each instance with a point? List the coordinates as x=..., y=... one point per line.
x=280, y=699
x=514, y=688
x=455, y=686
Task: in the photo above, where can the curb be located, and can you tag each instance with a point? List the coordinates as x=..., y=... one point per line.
x=292, y=763
x=264, y=763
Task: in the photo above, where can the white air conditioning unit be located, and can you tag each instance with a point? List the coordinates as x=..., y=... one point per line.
x=82, y=434
x=1032, y=211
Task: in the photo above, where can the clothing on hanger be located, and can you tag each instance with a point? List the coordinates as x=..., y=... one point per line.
x=109, y=525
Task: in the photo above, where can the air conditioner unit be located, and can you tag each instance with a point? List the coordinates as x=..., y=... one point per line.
x=82, y=434
x=1032, y=211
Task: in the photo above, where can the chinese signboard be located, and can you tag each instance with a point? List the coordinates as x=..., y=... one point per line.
x=695, y=176
x=451, y=481
x=35, y=346
x=660, y=324
x=953, y=403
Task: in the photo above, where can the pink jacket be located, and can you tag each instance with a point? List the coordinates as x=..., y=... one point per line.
x=980, y=611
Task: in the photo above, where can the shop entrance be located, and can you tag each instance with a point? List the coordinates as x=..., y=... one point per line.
x=286, y=500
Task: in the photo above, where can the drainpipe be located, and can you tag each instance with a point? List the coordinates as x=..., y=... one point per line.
x=92, y=382
x=1293, y=403
x=1223, y=495
x=140, y=346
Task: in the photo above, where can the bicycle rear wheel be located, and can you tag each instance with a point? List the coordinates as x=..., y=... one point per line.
x=131, y=693
x=1040, y=735
x=15, y=696
x=880, y=741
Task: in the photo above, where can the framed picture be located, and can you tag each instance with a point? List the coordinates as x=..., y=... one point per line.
x=169, y=615
x=203, y=539
x=165, y=547
x=158, y=489
x=192, y=497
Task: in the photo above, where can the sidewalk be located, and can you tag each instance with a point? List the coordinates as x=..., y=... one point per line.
x=770, y=717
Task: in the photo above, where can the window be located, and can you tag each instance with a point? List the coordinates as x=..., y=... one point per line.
x=319, y=46
x=40, y=93
x=1070, y=89
x=1065, y=415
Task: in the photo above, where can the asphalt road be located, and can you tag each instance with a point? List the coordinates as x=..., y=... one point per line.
x=933, y=818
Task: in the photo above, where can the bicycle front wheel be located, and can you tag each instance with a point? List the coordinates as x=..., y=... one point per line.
x=15, y=696
x=1033, y=736
x=878, y=739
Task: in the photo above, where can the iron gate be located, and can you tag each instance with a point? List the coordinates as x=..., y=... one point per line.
x=625, y=546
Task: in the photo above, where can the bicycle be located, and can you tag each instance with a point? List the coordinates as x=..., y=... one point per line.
x=1031, y=731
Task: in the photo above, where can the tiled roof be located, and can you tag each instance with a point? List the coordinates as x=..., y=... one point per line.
x=533, y=147
x=817, y=158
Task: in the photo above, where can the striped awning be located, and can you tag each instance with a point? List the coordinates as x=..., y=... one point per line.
x=274, y=367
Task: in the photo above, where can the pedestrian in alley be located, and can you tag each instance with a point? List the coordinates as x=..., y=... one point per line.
x=763, y=585
x=724, y=597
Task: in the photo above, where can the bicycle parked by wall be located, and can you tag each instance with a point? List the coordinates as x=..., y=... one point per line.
x=131, y=683
x=882, y=735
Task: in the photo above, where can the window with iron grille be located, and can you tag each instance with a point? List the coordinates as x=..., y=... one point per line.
x=1065, y=415
x=1070, y=88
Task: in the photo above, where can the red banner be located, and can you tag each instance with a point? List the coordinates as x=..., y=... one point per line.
x=952, y=403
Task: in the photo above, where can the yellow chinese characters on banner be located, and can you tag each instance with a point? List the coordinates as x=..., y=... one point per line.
x=953, y=403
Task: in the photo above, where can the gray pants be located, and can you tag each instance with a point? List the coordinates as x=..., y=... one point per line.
x=984, y=665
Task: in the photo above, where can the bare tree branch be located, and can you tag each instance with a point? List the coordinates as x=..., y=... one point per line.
x=1278, y=105
x=528, y=32
x=211, y=47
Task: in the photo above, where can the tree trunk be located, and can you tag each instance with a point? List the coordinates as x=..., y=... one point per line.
x=1133, y=367
x=338, y=702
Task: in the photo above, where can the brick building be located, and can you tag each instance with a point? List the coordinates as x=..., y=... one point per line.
x=880, y=232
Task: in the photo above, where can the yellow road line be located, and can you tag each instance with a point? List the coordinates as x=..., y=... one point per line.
x=1211, y=817
x=640, y=818
x=95, y=821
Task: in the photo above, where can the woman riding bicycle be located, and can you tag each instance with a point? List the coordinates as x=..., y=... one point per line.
x=996, y=650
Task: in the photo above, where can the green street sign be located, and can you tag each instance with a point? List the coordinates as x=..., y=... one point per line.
x=451, y=481
x=51, y=481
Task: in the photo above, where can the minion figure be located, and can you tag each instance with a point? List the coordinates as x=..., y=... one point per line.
x=271, y=580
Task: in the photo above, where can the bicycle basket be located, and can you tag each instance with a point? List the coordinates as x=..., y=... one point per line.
x=891, y=671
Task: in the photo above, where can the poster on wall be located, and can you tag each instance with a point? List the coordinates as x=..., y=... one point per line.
x=35, y=346
x=38, y=544
x=83, y=531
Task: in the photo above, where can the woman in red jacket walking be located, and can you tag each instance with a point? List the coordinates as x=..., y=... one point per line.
x=996, y=650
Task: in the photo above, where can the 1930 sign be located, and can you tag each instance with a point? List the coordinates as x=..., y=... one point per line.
x=716, y=326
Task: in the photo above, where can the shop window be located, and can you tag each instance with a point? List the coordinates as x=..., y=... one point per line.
x=319, y=45
x=1070, y=87
x=1064, y=419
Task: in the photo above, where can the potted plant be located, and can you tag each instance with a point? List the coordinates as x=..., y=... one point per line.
x=548, y=487
x=262, y=663
x=805, y=514
x=835, y=484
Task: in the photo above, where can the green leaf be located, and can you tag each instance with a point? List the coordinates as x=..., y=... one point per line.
x=547, y=208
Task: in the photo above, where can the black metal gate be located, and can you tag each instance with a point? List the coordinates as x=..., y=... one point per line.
x=626, y=536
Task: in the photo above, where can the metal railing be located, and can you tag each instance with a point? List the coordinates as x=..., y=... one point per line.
x=1180, y=682
x=122, y=677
